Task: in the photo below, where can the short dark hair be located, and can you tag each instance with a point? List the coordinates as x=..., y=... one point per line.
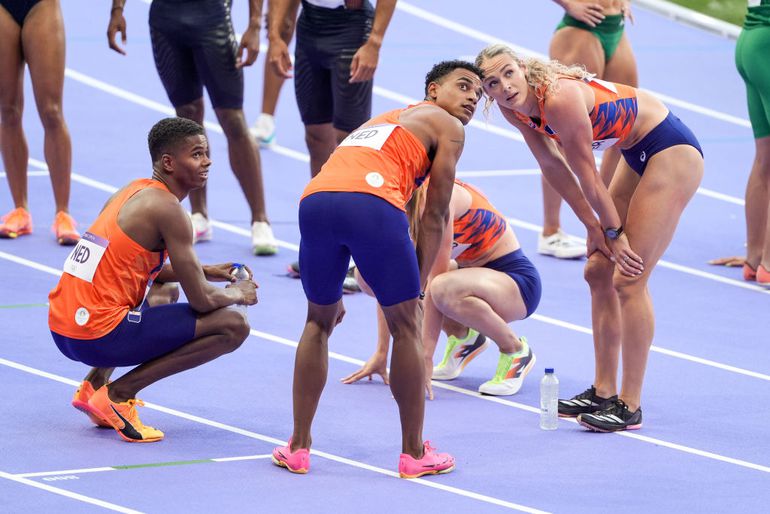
x=444, y=68
x=168, y=132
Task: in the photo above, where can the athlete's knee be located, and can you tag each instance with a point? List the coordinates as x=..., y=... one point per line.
x=325, y=317
x=51, y=116
x=10, y=115
x=442, y=292
x=404, y=327
x=628, y=287
x=598, y=270
x=233, y=123
x=318, y=138
x=192, y=111
x=762, y=158
x=235, y=329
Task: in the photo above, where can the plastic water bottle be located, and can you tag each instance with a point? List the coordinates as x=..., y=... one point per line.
x=240, y=274
x=549, y=400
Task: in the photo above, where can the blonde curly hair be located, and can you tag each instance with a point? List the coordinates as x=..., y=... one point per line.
x=542, y=76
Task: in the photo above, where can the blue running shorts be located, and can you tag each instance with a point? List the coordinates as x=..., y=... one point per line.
x=336, y=225
x=669, y=132
x=160, y=330
x=517, y=266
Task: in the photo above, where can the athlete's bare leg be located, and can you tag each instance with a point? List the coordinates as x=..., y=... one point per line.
x=622, y=69
x=244, y=160
x=13, y=144
x=757, y=205
x=407, y=372
x=671, y=178
x=311, y=366
x=321, y=141
x=43, y=42
x=484, y=299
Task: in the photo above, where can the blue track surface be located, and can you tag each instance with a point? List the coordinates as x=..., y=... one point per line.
x=704, y=445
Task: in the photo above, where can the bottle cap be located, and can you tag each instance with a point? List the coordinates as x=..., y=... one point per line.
x=549, y=370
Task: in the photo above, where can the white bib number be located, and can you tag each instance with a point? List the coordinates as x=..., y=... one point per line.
x=85, y=257
x=603, y=144
x=458, y=249
x=373, y=136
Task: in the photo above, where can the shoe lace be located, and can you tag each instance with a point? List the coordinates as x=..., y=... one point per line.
x=64, y=223
x=428, y=447
x=617, y=408
x=16, y=215
x=451, y=344
x=588, y=394
x=132, y=414
x=503, y=365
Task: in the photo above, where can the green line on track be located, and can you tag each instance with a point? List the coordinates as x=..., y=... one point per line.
x=23, y=305
x=160, y=464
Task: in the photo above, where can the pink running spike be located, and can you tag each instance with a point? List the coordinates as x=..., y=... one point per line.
x=296, y=462
x=431, y=463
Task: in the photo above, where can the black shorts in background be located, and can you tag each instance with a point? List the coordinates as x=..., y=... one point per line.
x=194, y=45
x=327, y=39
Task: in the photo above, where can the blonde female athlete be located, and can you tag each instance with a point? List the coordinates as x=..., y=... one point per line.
x=592, y=34
x=481, y=281
x=661, y=169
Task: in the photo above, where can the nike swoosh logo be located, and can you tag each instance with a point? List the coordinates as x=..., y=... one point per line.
x=128, y=429
x=125, y=422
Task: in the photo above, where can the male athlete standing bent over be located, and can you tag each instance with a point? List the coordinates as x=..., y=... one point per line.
x=355, y=206
x=107, y=311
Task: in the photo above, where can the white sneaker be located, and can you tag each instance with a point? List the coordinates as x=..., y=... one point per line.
x=201, y=227
x=264, y=130
x=458, y=354
x=512, y=368
x=262, y=239
x=561, y=246
x=350, y=285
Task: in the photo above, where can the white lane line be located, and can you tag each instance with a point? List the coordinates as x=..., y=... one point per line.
x=742, y=284
x=66, y=472
x=68, y=494
x=470, y=174
x=29, y=174
x=76, y=177
x=163, y=108
x=272, y=440
x=721, y=196
x=630, y=435
x=513, y=221
x=538, y=317
x=297, y=155
x=38, y=474
x=436, y=384
x=488, y=39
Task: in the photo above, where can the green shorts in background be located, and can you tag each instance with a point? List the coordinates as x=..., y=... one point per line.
x=608, y=32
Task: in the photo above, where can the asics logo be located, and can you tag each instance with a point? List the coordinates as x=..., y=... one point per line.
x=642, y=156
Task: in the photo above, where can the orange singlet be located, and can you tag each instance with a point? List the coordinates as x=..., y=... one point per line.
x=106, y=274
x=478, y=229
x=381, y=158
x=612, y=118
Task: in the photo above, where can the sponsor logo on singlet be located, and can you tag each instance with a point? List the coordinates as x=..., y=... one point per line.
x=81, y=316
x=374, y=179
